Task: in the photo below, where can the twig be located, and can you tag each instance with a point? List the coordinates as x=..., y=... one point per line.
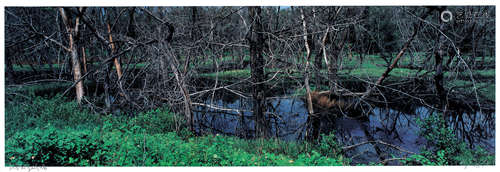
x=380, y=142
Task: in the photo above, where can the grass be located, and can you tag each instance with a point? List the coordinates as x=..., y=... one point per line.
x=373, y=67
x=57, y=132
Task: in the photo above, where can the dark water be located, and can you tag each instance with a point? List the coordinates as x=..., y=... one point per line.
x=288, y=118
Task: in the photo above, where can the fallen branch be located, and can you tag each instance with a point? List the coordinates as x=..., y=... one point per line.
x=219, y=108
x=379, y=142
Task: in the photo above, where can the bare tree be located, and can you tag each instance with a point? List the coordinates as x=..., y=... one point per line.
x=315, y=120
x=113, y=51
x=72, y=28
x=416, y=30
x=256, y=41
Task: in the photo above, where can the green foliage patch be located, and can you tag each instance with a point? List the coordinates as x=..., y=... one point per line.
x=445, y=149
x=56, y=132
x=35, y=112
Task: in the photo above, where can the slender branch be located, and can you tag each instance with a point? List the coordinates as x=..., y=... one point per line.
x=379, y=142
x=219, y=108
x=54, y=41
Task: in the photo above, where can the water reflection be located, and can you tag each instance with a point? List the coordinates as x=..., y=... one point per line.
x=288, y=119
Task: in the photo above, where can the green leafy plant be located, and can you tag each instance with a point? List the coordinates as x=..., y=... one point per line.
x=36, y=112
x=51, y=147
x=444, y=148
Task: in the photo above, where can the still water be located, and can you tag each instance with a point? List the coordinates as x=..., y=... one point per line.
x=288, y=120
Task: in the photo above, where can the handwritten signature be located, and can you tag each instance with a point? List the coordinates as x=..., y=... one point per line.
x=29, y=169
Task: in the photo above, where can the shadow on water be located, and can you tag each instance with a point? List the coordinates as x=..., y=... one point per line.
x=288, y=119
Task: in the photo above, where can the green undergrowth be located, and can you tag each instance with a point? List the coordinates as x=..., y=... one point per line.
x=57, y=132
x=444, y=148
x=134, y=147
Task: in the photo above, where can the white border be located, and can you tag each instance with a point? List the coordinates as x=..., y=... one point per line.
x=239, y=2
x=2, y=89
x=33, y=3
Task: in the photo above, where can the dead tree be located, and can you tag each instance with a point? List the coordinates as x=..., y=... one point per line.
x=256, y=41
x=113, y=51
x=337, y=38
x=416, y=29
x=72, y=31
x=131, y=25
x=438, y=76
x=181, y=82
x=324, y=54
x=312, y=117
x=171, y=58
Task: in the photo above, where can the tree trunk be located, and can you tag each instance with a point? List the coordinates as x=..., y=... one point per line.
x=332, y=71
x=75, y=61
x=331, y=83
x=438, y=76
x=76, y=72
x=451, y=56
x=318, y=64
x=311, y=117
x=256, y=40
x=107, y=81
x=84, y=59
x=113, y=50
x=194, y=14
x=131, y=26
x=276, y=27
x=317, y=59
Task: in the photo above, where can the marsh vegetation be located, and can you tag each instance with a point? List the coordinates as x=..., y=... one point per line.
x=249, y=86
